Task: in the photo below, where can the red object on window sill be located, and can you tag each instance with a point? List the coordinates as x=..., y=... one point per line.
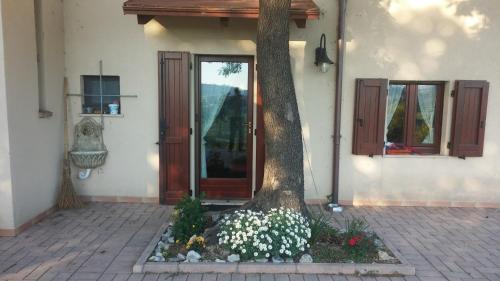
x=396, y=149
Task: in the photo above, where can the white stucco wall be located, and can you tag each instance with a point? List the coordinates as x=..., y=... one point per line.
x=395, y=39
x=130, y=51
x=6, y=211
x=423, y=40
x=35, y=144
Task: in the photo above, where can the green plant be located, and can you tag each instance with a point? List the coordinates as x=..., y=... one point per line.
x=244, y=233
x=188, y=219
x=280, y=232
x=289, y=232
x=328, y=253
x=358, y=243
x=321, y=231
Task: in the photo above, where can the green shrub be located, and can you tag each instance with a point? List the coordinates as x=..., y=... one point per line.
x=188, y=219
x=253, y=235
x=289, y=232
x=321, y=231
x=328, y=253
x=358, y=243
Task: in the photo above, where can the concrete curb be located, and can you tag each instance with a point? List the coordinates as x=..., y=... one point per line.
x=143, y=266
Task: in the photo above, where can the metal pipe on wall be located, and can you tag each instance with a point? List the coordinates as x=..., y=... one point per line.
x=338, y=100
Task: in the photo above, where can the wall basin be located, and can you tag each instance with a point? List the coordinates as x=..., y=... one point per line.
x=88, y=159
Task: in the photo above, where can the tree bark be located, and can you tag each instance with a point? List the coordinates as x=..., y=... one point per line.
x=283, y=171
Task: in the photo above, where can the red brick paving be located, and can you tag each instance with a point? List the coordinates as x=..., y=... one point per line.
x=103, y=241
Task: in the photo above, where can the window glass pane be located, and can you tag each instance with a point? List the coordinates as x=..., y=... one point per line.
x=426, y=108
x=396, y=111
x=92, y=90
x=224, y=102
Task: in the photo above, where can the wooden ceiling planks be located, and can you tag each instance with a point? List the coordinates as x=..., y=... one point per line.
x=300, y=10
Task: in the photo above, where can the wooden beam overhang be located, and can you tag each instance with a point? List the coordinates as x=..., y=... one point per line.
x=300, y=12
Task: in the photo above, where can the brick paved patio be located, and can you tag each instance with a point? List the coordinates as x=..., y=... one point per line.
x=102, y=242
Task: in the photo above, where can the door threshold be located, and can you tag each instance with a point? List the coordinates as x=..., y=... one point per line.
x=227, y=202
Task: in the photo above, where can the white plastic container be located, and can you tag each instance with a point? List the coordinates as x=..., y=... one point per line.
x=113, y=109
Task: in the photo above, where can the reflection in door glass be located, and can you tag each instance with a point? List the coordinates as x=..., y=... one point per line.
x=224, y=102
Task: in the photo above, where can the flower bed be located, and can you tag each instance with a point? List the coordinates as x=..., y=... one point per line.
x=279, y=236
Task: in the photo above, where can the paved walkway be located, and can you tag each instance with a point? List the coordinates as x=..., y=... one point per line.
x=103, y=241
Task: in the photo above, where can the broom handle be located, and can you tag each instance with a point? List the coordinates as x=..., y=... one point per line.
x=66, y=129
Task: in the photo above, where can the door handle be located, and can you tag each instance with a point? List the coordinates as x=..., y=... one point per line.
x=482, y=124
x=249, y=126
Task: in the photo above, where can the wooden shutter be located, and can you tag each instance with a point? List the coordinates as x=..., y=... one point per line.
x=174, y=125
x=469, y=118
x=369, y=116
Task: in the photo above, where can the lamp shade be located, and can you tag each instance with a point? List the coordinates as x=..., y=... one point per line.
x=322, y=59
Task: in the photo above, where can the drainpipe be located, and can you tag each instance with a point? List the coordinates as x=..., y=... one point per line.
x=338, y=104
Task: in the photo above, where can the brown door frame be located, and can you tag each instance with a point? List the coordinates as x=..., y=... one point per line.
x=223, y=183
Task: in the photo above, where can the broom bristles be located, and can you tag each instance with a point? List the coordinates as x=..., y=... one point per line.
x=68, y=199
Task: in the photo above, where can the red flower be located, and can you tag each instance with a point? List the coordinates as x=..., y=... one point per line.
x=353, y=241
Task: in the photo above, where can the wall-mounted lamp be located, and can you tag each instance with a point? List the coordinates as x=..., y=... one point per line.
x=322, y=60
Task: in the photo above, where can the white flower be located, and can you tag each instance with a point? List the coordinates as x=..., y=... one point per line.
x=244, y=250
x=255, y=254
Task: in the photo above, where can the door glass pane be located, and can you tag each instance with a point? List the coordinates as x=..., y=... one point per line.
x=396, y=111
x=224, y=102
x=426, y=108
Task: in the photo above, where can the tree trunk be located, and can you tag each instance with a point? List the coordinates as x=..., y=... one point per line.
x=283, y=171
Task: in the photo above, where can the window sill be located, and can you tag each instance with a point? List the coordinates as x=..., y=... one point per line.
x=104, y=115
x=431, y=156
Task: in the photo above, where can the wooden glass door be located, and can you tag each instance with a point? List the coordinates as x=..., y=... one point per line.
x=224, y=115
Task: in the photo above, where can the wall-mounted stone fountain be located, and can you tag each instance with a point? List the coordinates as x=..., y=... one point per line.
x=89, y=151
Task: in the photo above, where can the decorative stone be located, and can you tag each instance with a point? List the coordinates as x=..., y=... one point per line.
x=262, y=260
x=193, y=256
x=181, y=257
x=278, y=260
x=162, y=245
x=378, y=243
x=306, y=258
x=220, y=261
x=384, y=256
x=156, y=259
x=289, y=260
x=233, y=258
x=166, y=236
x=171, y=240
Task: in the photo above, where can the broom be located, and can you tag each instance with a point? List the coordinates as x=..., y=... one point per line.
x=67, y=199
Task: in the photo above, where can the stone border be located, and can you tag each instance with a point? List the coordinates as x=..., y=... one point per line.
x=143, y=266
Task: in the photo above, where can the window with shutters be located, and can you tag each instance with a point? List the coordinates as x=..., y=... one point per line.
x=413, y=117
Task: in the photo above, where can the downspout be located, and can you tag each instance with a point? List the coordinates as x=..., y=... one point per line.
x=338, y=104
